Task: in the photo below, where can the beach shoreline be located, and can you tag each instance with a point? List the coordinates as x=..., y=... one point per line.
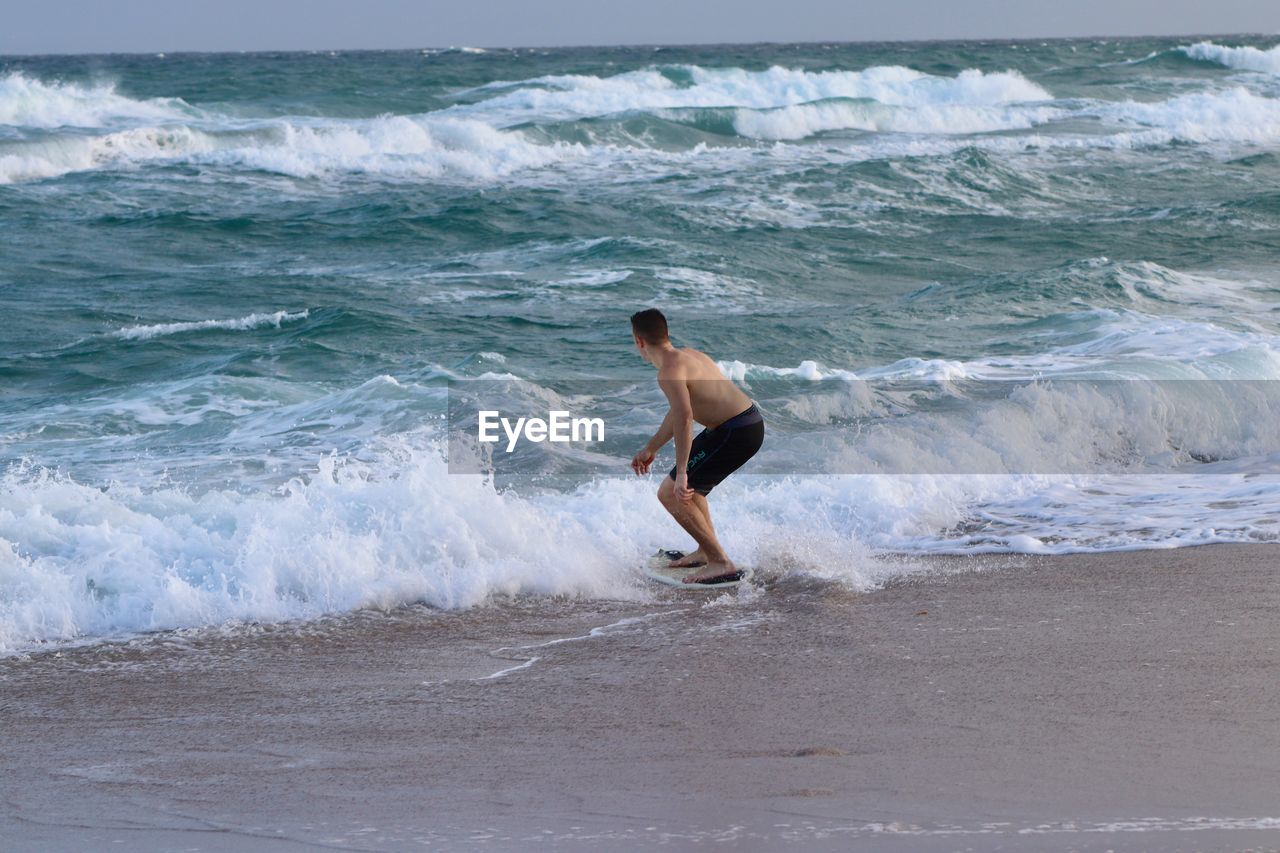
x=1101, y=701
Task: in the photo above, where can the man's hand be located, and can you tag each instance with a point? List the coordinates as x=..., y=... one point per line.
x=683, y=492
x=641, y=461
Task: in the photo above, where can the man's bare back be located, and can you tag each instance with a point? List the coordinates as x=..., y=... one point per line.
x=713, y=398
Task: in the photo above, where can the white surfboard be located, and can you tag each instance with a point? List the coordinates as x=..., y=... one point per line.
x=658, y=568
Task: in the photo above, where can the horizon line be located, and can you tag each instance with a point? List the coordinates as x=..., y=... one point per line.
x=653, y=45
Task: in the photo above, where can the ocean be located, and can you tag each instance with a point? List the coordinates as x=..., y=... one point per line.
x=239, y=289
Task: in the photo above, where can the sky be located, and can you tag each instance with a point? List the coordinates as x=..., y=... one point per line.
x=144, y=26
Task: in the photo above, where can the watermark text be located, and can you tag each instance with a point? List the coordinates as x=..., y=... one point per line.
x=558, y=427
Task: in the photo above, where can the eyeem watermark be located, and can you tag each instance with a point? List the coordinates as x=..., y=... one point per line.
x=559, y=427
x=518, y=428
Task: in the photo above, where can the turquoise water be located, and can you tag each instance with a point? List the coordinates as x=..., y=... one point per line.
x=235, y=285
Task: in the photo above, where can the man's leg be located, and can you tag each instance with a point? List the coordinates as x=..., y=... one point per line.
x=695, y=517
x=715, y=567
x=699, y=503
x=688, y=517
x=698, y=557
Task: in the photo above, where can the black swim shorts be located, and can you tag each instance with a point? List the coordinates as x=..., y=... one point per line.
x=717, y=453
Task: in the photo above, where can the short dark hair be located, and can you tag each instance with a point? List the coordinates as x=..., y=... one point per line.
x=650, y=325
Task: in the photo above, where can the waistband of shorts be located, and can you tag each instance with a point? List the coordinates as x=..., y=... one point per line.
x=747, y=417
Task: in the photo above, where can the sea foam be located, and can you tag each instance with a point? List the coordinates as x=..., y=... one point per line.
x=79, y=561
x=27, y=102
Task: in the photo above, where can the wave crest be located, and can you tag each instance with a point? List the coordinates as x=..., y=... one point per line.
x=62, y=155
x=662, y=117
x=1235, y=115
x=1243, y=58
x=26, y=102
x=396, y=146
x=564, y=97
x=239, y=324
x=393, y=146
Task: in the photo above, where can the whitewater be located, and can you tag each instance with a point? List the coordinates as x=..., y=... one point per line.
x=992, y=297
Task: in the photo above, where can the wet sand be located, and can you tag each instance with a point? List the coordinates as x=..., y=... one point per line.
x=1103, y=702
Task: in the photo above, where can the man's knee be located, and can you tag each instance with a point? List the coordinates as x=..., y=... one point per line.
x=667, y=492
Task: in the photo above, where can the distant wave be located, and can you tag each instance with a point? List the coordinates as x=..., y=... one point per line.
x=1166, y=348
x=801, y=121
x=25, y=102
x=49, y=158
x=252, y=321
x=786, y=104
x=424, y=147
x=657, y=117
x=1243, y=58
x=395, y=146
x=568, y=96
x=1236, y=115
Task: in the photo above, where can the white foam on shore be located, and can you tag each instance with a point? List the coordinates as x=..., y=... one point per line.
x=598, y=631
x=1015, y=832
x=395, y=526
x=78, y=560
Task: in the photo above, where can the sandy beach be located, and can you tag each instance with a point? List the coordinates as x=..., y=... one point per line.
x=1124, y=701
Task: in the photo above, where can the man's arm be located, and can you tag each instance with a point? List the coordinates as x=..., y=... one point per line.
x=672, y=382
x=662, y=436
x=641, y=462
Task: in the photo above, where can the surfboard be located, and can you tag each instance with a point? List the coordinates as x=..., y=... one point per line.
x=657, y=569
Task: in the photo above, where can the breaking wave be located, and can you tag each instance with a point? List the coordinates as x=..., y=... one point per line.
x=562, y=97
x=1242, y=58
x=395, y=146
x=1234, y=115
x=653, y=116
x=25, y=102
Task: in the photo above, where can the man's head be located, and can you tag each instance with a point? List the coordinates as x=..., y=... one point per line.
x=649, y=328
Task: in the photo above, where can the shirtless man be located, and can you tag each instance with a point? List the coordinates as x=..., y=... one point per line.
x=697, y=391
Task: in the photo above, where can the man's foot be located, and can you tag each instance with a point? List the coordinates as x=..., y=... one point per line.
x=688, y=561
x=714, y=572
